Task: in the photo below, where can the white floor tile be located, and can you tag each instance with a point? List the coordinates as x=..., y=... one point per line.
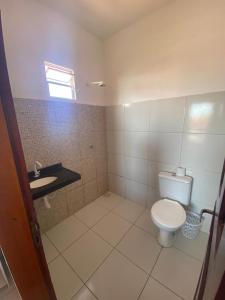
x=50, y=251
x=112, y=228
x=117, y=279
x=178, y=272
x=156, y=291
x=10, y=294
x=141, y=248
x=195, y=248
x=66, y=232
x=109, y=200
x=86, y=254
x=84, y=294
x=129, y=210
x=65, y=281
x=91, y=214
x=145, y=223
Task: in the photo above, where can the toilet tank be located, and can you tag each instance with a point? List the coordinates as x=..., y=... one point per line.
x=175, y=187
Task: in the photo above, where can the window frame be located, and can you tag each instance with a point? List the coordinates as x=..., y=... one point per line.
x=50, y=66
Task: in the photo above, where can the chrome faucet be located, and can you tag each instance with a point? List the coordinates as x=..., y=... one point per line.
x=36, y=171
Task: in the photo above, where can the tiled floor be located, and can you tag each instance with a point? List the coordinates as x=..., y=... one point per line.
x=108, y=251
x=10, y=294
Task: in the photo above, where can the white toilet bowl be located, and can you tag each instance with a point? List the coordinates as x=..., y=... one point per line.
x=168, y=215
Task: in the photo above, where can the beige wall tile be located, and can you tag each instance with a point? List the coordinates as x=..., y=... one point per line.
x=87, y=144
x=89, y=170
x=90, y=191
x=102, y=184
x=73, y=134
x=100, y=142
x=101, y=165
x=48, y=218
x=75, y=199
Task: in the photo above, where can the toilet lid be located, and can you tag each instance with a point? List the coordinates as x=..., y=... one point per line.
x=168, y=214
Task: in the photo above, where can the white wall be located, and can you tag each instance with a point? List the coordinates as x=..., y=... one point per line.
x=33, y=33
x=177, y=50
x=152, y=136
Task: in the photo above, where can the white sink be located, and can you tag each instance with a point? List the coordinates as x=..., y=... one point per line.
x=41, y=182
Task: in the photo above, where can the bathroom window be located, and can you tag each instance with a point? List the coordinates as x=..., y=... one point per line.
x=61, y=81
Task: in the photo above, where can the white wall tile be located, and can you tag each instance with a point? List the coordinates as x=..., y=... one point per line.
x=115, y=118
x=136, y=169
x=205, y=188
x=136, y=192
x=136, y=144
x=167, y=115
x=205, y=113
x=165, y=147
x=153, y=195
x=162, y=135
x=117, y=184
x=115, y=142
x=137, y=116
x=116, y=164
x=203, y=151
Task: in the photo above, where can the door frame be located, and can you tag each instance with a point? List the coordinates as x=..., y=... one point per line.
x=12, y=136
x=216, y=230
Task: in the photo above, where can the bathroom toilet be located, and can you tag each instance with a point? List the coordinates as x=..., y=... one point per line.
x=168, y=214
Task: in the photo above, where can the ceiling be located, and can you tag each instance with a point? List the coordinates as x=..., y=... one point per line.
x=104, y=17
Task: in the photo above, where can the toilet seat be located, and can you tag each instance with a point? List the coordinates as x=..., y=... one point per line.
x=168, y=214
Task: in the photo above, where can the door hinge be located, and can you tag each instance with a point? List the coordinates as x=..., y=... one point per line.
x=35, y=229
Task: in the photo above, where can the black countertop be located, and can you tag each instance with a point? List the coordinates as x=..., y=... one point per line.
x=64, y=177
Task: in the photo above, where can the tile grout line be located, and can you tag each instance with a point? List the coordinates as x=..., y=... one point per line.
x=90, y=228
x=72, y=269
x=166, y=287
x=77, y=239
x=114, y=248
x=134, y=223
x=112, y=211
x=126, y=219
x=134, y=226
x=162, y=132
x=149, y=275
x=187, y=254
x=60, y=252
x=66, y=262
x=84, y=285
x=88, y=290
x=182, y=132
x=121, y=253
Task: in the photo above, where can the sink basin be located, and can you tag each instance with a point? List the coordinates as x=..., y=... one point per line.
x=41, y=182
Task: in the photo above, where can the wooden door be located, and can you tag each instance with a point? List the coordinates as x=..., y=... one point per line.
x=212, y=281
x=18, y=224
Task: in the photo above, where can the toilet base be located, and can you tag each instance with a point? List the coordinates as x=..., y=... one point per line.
x=166, y=238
